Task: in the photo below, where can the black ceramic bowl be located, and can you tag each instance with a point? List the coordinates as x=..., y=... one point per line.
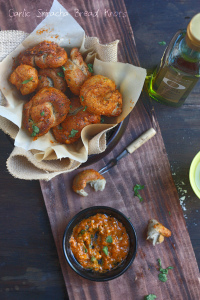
x=90, y=274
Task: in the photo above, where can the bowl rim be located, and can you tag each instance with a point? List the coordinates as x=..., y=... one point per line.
x=192, y=170
x=91, y=208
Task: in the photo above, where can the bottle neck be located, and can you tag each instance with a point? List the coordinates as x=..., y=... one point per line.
x=188, y=53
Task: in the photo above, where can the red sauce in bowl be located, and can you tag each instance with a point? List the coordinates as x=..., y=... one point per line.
x=99, y=242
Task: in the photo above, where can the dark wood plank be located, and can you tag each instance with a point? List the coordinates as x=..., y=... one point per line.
x=26, y=241
x=151, y=168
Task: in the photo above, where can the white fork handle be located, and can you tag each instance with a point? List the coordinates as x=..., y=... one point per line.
x=141, y=140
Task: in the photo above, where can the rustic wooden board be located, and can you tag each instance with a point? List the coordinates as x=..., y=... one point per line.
x=148, y=166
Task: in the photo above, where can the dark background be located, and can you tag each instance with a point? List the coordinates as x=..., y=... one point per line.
x=29, y=266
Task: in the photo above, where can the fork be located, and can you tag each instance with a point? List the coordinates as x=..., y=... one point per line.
x=129, y=149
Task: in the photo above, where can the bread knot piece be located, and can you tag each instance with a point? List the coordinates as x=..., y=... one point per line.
x=76, y=71
x=96, y=180
x=48, y=108
x=101, y=97
x=156, y=232
x=52, y=78
x=69, y=131
x=25, y=78
x=44, y=55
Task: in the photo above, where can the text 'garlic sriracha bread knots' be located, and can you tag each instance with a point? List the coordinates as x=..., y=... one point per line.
x=45, y=110
x=69, y=131
x=25, y=78
x=101, y=97
x=52, y=78
x=44, y=55
x=76, y=71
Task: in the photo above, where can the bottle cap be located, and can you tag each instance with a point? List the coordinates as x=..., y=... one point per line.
x=193, y=33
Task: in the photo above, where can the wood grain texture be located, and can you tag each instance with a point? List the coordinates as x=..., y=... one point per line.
x=149, y=166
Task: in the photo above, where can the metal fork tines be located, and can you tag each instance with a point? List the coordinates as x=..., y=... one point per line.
x=113, y=162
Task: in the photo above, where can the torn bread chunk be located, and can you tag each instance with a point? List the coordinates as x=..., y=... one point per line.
x=156, y=232
x=96, y=180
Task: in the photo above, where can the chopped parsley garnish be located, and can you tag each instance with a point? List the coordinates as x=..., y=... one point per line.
x=109, y=239
x=70, y=106
x=150, y=297
x=137, y=188
x=162, y=43
x=162, y=276
x=60, y=127
x=105, y=250
x=102, y=120
x=35, y=130
x=40, y=77
x=61, y=74
x=85, y=108
x=85, y=249
x=73, y=133
x=170, y=213
x=63, y=68
x=82, y=231
x=90, y=68
x=26, y=81
x=93, y=258
x=82, y=99
x=42, y=113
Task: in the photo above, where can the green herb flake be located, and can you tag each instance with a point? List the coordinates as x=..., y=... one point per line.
x=150, y=297
x=162, y=276
x=70, y=106
x=90, y=68
x=73, y=133
x=85, y=108
x=170, y=213
x=162, y=43
x=42, y=113
x=105, y=250
x=82, y=231
x=137, y=188
x=60, y=74
x=40, y=77
x=64, y=69
x=109, y=239
x=85, y=249
x=82, y=98
x=26, y=81
x=60, y=127
x=35, y=130
x=92, y=236
x=102, y=120
x=90, y=246
x=93, y=259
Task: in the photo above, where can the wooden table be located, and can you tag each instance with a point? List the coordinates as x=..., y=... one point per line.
x=29, y=264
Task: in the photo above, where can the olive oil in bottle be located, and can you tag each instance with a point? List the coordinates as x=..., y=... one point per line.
x=179, y=69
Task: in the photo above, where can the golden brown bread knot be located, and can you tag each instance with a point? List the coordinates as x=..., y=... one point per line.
x=70, y=129
x=96, y=180
x=100, y=96
x=46, y=109
x=44, y=55
x=76, y=71
x=25, y=78
x=156, y=232
x=52, y=78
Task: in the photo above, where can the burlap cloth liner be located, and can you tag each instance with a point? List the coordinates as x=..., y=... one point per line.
x=22, y=164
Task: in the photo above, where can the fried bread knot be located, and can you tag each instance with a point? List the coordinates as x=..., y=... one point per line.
x=70, y=129
x=100, y=96
x=76, y=71
x=48, y=108
x=44, y=55
x=52, y=78
x=25, y=78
